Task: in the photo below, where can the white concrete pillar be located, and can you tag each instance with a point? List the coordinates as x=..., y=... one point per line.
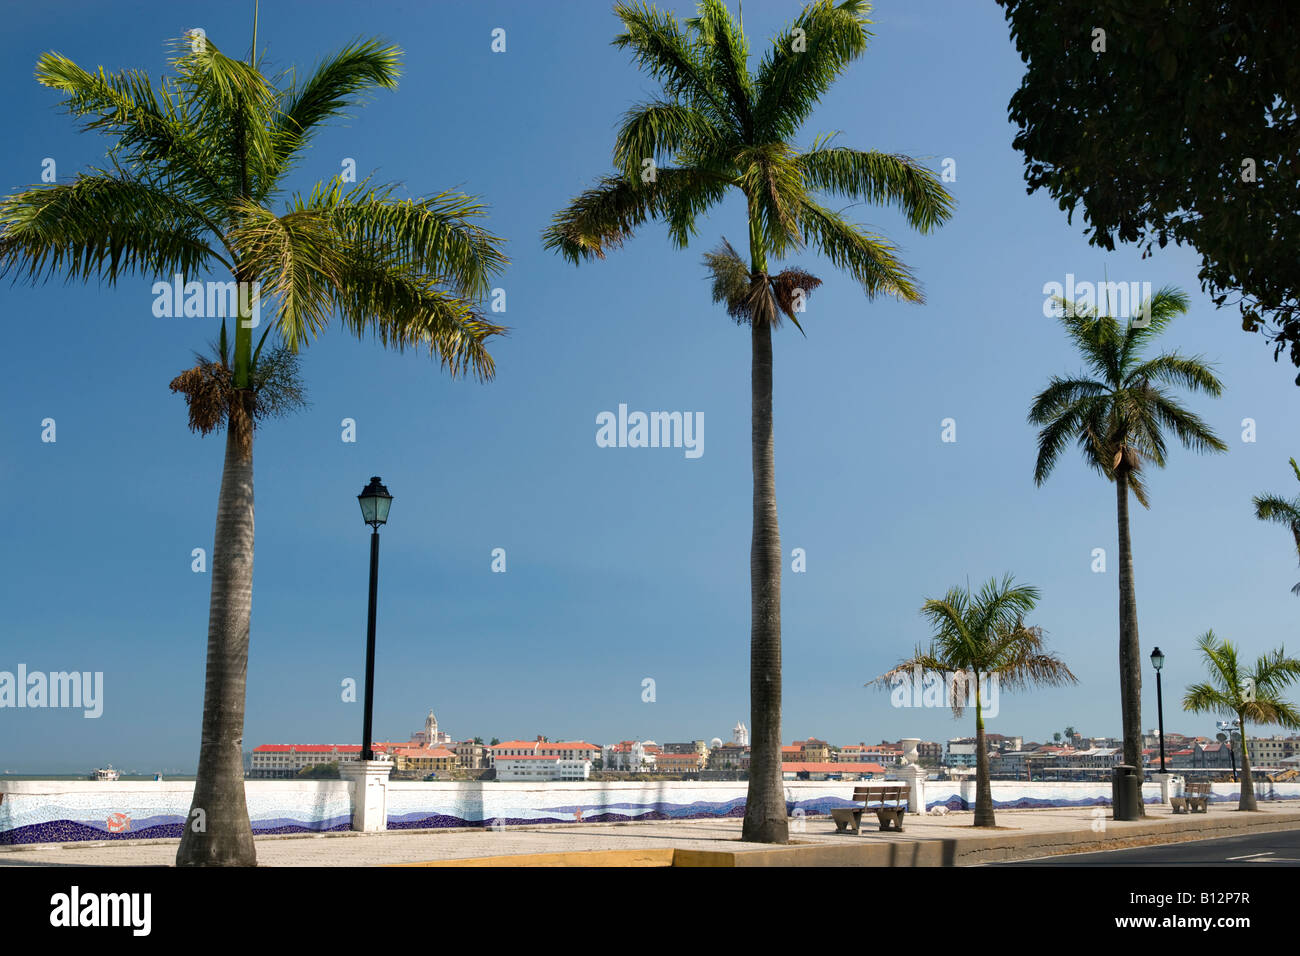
x=913, y=774
x=369, y=779
x=1170, y=785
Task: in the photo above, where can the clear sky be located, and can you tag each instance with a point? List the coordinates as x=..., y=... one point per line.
x=622, y=564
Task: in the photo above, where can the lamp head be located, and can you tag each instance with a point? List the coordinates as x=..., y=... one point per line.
x=375, y=502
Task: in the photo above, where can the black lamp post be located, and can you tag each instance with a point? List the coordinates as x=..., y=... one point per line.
x=1158, y=661
x=375, y=502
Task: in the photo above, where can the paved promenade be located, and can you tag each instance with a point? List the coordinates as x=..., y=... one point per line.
x=927, y=841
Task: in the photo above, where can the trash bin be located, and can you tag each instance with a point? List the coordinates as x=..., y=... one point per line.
x=1125, y=793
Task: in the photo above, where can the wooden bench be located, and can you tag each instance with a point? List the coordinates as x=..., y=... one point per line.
x=1195, y=799
x=890, y=817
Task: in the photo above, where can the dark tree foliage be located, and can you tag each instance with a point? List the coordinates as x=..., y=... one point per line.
x=1184, y=128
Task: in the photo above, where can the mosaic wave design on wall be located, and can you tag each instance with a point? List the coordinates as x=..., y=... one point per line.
x=116, y=813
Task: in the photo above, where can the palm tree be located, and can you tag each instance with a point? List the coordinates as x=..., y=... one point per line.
x=1248, y=694
x=1280, y=511
x=716, y=129
x=1118, y=418
x=984, y=637
x=196, y=169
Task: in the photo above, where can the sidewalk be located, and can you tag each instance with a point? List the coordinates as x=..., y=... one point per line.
x=926, y=841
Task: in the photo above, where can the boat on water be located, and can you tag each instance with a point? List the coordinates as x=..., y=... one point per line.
x=106, y=773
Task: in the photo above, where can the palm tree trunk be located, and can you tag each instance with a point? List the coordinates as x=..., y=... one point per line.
x=983, y=789
x=1130, y=651
x=765, y=809
x=217, y=831
x=1247, y=801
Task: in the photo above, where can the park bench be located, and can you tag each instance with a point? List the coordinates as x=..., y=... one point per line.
x=1195, y=799
x=893, y=800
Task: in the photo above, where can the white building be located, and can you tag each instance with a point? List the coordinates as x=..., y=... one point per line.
x=282, y=761
x=563, y=749
x=542, y=768
x=627, y=755
x=740, y=735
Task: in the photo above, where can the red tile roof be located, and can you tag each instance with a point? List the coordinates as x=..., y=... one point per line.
x=314, y=748
x=799, y=766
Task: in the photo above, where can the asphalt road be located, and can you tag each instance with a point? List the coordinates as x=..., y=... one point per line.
x=1281, y=848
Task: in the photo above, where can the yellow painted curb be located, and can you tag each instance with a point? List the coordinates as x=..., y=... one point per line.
x=576, y=858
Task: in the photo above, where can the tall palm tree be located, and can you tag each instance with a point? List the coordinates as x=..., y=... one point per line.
x=195, y=174
x=1281, y=511
x=984, y=637
x=718, y=128
x=1253, y=693
x=1117, y=413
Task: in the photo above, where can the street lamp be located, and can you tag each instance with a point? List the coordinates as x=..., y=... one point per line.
x=375, y=502
x=1158, y=661
x=1230, y=737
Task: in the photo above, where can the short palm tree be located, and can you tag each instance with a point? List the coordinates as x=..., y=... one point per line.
x=1253, y=694
x=196, y=172
x=1117, y=413
x=984, y=637
x=1281, y=511
x=716, y=130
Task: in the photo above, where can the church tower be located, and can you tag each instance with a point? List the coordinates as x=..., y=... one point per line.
x=741, y=734
x=430, y=730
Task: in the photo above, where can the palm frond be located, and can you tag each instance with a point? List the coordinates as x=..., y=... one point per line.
x=439, y=235
x=880, y=178
x=871, y=260
x=403, y=309
x=805, y=58
x=333, y=88
x=147, y=128
x=102, y=226
x=664, y=49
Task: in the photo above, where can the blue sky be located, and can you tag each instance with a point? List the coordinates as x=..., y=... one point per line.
x=626, y=563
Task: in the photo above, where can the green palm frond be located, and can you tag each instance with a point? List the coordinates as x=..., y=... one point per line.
x=297, y=258
x=717, y=127
x=1156, y=312
x=604, y=217
x=881, y=179
x=438, y=236
x=727, y=59
x=871, y=260
x=230, y=98
x=147, y=129
x=1119, y=417
x=405, y=310
x=666, y=51
x=1279, y=510
x=333, y=88
x=803, y=62
x=1253, y=693
x=984, y=634
x=101, y=226
x=657, y=131
x=193, y=161
x=1170, y=368
x=1190, y=429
